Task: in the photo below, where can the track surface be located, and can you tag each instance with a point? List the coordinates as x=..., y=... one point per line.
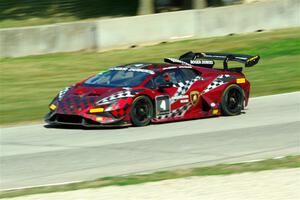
x=35, y=155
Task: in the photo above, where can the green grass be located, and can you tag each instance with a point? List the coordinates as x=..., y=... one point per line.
x=222, y=169
x=28, y=84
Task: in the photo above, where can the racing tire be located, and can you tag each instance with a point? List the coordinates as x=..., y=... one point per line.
x=141, y=111
x=232, y=100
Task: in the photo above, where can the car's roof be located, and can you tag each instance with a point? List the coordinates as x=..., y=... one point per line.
x=151, y=66
x=158, y=67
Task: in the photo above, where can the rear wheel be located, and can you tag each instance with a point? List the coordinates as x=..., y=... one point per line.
x=141, y=111
x=232, y=100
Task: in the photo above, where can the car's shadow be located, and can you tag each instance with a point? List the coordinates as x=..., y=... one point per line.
x=78, y=127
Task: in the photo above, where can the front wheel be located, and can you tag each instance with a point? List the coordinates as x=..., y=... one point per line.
x=232, y=100
x=141, y=111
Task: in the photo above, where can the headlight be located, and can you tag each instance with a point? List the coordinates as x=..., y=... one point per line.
x=52, y=107
x=96, y=110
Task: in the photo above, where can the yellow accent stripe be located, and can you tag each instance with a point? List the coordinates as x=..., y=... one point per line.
x=96, y=110
x=253, y=58
x=215, y=111
x=240, y=80
x=52, y=107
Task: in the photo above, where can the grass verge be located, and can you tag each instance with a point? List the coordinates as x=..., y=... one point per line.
x=28, y=84
x=222, y=169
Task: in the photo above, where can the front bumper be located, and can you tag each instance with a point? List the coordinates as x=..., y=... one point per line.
x=77, y=120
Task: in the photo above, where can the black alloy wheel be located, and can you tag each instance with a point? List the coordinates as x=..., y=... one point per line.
x=141, y=111
x=232, y=100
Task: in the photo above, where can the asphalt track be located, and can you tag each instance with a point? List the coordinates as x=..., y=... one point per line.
x=34, y=155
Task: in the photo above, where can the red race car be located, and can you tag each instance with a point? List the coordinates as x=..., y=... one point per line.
x=140, y=93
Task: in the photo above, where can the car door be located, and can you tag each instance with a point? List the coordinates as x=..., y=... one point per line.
x=191, y=78
x=167, y=99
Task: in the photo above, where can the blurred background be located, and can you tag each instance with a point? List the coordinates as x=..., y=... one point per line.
x=36, y=12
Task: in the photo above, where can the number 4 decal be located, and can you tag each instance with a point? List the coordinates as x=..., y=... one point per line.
x=163, y=105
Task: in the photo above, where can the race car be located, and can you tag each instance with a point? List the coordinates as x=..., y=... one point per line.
x=142, y=93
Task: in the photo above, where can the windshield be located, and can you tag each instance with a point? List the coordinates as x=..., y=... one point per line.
x=119, y=77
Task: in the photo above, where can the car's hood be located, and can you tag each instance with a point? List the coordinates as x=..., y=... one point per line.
x=99, y=92
x=78, y=99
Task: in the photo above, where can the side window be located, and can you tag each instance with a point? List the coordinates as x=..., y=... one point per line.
x=174, y=74
x=150, y=84
x=122, y=75
x=190, y=74
x=158, y=80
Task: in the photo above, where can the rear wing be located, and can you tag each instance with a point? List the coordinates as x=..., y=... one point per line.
x=248, y=60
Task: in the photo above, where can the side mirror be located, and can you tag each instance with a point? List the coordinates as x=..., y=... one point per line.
x=165, y=85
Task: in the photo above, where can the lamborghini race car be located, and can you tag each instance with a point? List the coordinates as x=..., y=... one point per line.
x=140, y=93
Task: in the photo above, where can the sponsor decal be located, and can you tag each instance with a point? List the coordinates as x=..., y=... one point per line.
x=163, y=105
x=185, y=67
x=132, y=70
x=184, y=101
x=202, y=62
x=181, y=97
x=175, y=67
x=166, y=68
x=194, y=96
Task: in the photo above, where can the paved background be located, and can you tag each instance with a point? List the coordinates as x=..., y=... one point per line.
x=35, y=155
